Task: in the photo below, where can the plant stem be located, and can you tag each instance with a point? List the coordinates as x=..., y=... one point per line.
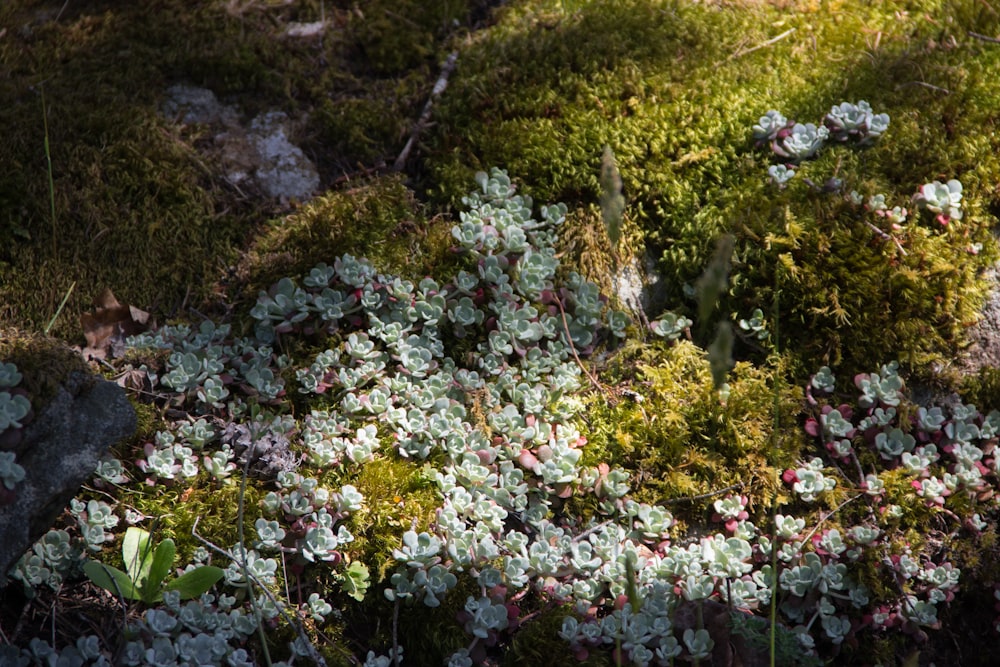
x=52, y=185
x=240, y=536
x=48, y=327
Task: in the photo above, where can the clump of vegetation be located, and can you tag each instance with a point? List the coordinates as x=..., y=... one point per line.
x=414, y=478
x=674, y=91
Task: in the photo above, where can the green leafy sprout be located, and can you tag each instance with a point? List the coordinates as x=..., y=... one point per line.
x=147, y=568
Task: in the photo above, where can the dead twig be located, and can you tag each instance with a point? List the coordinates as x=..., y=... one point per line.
x=425, y=116
x=823, y=516
x=572, y=348
x=931, y=86
x=739, y=53
x=985, y=38
x=885, y=236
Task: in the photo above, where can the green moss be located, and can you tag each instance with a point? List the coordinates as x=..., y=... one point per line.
x=394, y=36
x=983, y=389
x=45, y=364
x=675, y=89
x=680, y=439
x=398, y=497
x=379, y=220
x=213, y=506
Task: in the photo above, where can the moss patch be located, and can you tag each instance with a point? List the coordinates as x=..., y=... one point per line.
x=679, y=439
x=44, y=363
x=380, y=220
x=674, y=89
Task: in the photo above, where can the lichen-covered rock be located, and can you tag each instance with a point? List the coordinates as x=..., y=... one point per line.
x=58, y=452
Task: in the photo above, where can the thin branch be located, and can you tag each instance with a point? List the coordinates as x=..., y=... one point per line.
x=425, y=116
x=930, y=86
x=742, y=52
x=885, y=236
x=985, y=38
x=396, y=657
x=592, y=529
x=827, y=515
x=572, y=347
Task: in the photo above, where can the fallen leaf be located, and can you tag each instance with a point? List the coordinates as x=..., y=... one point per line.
x=107, y=327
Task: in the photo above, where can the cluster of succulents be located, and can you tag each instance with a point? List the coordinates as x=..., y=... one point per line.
x=474, y=378
x=205, y=631
x=800, y=141
x=938, y=460
x=795, y=142
x=858, y=122
x=59, y=554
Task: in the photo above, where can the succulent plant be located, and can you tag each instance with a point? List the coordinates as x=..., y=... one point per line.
x=769, y=126
x=855, y=121
x=10, y=472
x=670, y=326
x=942, y=199
x=9, y=375
x=780, y=174
x=13, y=409
x=801, y=143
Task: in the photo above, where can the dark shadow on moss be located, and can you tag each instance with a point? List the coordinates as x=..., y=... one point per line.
x=136, y=208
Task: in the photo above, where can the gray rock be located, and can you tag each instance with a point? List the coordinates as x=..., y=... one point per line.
x=984, y=335
x=259, y=155
x=284, y=171
x=190, y=104
x=60, y=451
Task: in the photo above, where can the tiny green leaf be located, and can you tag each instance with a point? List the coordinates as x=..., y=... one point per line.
x=356, y=580
x=159, y=568
x=137, y=554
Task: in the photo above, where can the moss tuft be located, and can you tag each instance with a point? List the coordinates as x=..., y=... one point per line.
x=44, y=363
x=680, y=439
x=380, y=220
x=398, y=497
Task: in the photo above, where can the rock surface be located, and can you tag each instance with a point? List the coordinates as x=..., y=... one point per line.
x=258, y=154
x=60, y=450
x=984, y=335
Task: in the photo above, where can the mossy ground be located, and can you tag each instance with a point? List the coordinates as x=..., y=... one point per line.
x=672, y=87
x=135, y=208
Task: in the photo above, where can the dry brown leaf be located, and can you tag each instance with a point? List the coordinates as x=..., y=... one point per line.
x=107, y=327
